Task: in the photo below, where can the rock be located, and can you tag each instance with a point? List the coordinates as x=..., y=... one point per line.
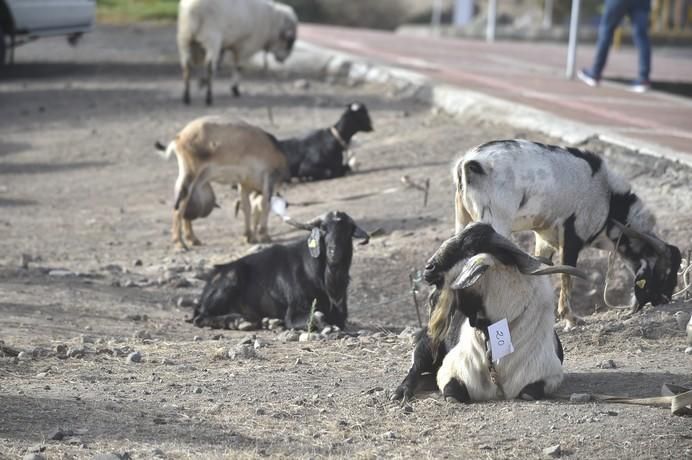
x=389, y=435
x=58, y=434
x=167, y=361
x=36, y=448
x=142, y=334
x=688, y=351
x=76, y=352
x=127, y=283
x=247, y=340
x=134, y=357
x=409, y=332
x=197, y=338
x=24, y=356
x=246, y=326
x=60, y=273
x=298, y=361
x=580, y=397
x=607, y=364
x=220, y=353
x=136, y=317
x=308, y=337
x=274, y=324
x=33, y=456
x=259, y=344
x=553, y=451
x=260, y=411
x=242, y=352
x=158, y=453
x=197, y=390
x=186, y=302
x=301, y=83
x=182, y=283
x=138, y=263
x=289, y=336
x=326, y=331
x=408, y=409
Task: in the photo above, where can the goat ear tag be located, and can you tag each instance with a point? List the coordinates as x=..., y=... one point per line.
x=500, y=340
x=641, y=283
x=314, y=242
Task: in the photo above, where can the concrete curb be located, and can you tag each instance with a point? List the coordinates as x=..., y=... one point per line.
x=326, y=63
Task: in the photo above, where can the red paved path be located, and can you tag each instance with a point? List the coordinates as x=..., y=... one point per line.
x=533, y=74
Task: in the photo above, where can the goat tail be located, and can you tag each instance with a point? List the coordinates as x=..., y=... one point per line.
x=440, y=318
x=165, y=152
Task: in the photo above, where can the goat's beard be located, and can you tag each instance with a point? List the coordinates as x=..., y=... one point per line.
x=336, y=284
x=440, y=316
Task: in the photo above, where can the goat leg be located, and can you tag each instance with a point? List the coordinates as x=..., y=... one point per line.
x=423, y=362
x=189, y=234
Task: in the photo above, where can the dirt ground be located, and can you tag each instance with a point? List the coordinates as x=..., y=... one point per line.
x=88, y=276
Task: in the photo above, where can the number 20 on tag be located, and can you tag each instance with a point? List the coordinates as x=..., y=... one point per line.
x=500, y=340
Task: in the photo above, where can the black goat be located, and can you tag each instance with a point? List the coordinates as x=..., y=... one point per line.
x=320, y=154
x=282, y=281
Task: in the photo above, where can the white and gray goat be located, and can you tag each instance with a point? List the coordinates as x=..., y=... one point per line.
x=481, y=278
x=570, y=199
x=207, y=28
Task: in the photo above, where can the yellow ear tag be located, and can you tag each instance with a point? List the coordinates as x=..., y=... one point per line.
x=313, y=244
x=641, y=283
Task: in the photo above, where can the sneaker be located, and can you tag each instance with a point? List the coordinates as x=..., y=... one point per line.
x=587, y=77
x=640, y=86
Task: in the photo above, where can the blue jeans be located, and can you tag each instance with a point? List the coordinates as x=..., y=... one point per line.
x=614, y=11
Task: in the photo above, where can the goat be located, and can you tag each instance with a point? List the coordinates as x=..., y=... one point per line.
x=480, y=278
x=570, y=199
x=208, y=27
x=282, y=281
x=217, y=149
x=320, y=154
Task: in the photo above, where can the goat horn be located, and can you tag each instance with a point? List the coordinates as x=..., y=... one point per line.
x=549, y=270
x=316, y=222
x=658, y=245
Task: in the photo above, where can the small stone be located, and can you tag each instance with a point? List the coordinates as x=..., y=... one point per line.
x=682, y=318
x=167, y=361
x=408, y=409
x=158, y=453
x=220, y=353
x=688, y=351
x=242, y=352
x=580, y=397
x=197, y=338
x=76, y=352
x=389, y=435
x=24, y=260
x=197, y=390
x=326, y=331
x=247, y=340
x=289, y=336
x=308, y=337
x=142, y=334
x=260, y=411
x=246, y=326
x=24, y=356
x=36, y=448
x=275, y=324
x=259, y=344
x=185, y=302
x=298, y=361
x=553, y=451
x=409, y=332
x=127, y=283
x=111, y=456
x=182, y=283
x=607, y=364
x=56, y=435
x=138, y=263
x=60, y=273
x=301, y=83
x=33, y=456
x=134, y=357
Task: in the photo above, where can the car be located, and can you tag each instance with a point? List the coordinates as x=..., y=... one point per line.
x=25, y=20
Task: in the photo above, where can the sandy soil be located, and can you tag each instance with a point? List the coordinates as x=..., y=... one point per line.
x=88, y=275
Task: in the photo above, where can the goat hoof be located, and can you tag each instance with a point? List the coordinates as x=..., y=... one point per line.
x=194, y=241
x=235, y=91
x=402, y=393
x=456, y=391
x=186, y=99
x=572, y=321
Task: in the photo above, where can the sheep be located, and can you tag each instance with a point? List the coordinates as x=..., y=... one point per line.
x=570, y=199
x=219, y=149
x=282, y=281
x=206, y=28
x=480, y=278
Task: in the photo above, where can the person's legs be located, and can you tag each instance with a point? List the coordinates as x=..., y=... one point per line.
x=613, y=13
x=639, y=16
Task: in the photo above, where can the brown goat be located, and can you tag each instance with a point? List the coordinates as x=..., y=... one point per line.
x=227, y=151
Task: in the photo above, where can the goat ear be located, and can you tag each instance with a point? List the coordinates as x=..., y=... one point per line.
x=360, y=233
x=472, y=271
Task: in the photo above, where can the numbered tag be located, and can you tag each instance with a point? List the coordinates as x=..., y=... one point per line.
x=314, y=242
x=500, y=340
x=278, y=205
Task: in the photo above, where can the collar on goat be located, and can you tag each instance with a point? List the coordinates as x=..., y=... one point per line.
x=339, y=139
x=494, y=378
